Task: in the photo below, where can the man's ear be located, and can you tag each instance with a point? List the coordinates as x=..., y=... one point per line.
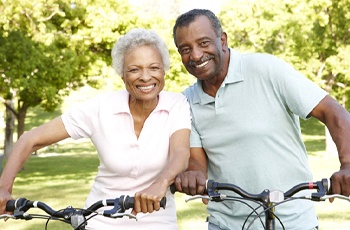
x=224, y=40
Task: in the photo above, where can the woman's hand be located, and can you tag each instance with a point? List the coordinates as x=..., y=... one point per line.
x=148, y=200
x=4, y=197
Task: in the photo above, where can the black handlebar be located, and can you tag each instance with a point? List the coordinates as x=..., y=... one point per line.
x=213, y=187
x=11, y=205
x=172, y=188
x=122, y=203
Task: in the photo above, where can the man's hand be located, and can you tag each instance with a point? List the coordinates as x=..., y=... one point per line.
x=340, y=181
x=191, y=182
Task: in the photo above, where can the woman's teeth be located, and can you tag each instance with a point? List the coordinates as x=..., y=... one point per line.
x=146, y=87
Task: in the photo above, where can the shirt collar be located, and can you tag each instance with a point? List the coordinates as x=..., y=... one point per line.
x=234, y=75
x=123, y=106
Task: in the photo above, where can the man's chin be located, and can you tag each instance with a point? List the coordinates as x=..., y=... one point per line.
x=202, y=75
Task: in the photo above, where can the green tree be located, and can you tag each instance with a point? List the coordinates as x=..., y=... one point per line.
x=49, y=48
x=331, y=42
x=312, y=35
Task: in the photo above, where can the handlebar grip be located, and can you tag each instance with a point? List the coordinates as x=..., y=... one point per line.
x=173, y=188
x=11, y=205
x=326, y=183
x=163, y=202
x=130, y=201
x=210, y=184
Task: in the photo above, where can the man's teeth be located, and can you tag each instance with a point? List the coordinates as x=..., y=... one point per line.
x=203, y=64
x=146, y=87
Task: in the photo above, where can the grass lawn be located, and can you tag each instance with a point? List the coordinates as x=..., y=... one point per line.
x=61, y=175
x=63, y=180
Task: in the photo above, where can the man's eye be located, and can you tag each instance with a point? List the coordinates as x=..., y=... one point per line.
x=204, y=43
x=184, y=51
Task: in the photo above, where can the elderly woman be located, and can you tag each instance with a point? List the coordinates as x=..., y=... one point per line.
x=141, y=135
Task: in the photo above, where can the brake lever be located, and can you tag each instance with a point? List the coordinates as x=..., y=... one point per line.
x=21, y=215
x=325, y=197
x=195, y=197
x=7, y=216
x=118, y=215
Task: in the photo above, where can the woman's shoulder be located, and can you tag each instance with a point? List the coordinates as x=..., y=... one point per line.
x=171, y=100
x=172, y=95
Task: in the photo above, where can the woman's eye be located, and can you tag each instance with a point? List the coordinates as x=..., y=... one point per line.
x=135, y=70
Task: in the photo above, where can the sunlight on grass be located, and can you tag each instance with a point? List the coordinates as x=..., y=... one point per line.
x=191, y=215
x=60, y=181
x=334, y=215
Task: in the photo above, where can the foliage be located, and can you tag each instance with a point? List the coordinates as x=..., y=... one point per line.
x=49, y=48
x=313, y=35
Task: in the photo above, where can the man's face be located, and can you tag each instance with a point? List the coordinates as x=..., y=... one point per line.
x=201, y=49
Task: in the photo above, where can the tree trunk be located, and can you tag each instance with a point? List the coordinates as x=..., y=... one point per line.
x=22, y=112
x=9, y=129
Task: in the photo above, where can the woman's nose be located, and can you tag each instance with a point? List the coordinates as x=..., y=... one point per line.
x=146, y=74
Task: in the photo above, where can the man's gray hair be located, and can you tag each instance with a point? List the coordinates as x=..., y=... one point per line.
x=136, y=38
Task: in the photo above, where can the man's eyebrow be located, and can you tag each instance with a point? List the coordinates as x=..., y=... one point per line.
x=197, y=41
x=182, y=46
x=204, y=38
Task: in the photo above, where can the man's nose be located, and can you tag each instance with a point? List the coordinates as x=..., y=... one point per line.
x=196, y=54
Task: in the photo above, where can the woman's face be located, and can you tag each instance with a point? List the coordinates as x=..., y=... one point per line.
x=143, y=73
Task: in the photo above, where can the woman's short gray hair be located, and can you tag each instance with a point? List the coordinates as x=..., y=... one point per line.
x=133, y=39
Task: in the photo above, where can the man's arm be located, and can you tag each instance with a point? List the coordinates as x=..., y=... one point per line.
x=193, y=180
x=337, y=120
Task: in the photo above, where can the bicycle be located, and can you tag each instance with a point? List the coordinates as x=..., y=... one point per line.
x=76, y=217
x=267, y=200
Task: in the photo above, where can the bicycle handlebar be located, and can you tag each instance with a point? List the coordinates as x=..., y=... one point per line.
x=73, y=216
x=266, y=200
x=266, y=195
x=125, y=202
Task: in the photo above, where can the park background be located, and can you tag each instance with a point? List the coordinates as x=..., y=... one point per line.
x=54, y=54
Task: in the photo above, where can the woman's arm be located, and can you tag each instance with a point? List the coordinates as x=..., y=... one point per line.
x=148, y=199
x=193, y=180
x=29, y=142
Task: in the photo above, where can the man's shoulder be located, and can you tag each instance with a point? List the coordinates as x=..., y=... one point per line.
x=191, y=91
x=261, y=59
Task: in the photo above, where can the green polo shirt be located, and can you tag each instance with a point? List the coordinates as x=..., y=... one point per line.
x=251, y=134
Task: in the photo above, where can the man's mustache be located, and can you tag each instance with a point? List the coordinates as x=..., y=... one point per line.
x=203, y=59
